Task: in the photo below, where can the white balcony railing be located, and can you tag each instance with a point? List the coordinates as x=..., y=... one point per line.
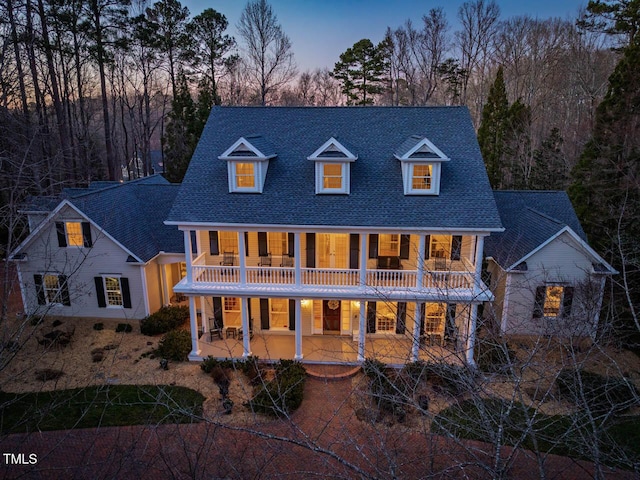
x=339, y=278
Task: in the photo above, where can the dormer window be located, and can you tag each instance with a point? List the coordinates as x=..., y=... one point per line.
x=247, y=163
x=421, y=166
x=333, y=167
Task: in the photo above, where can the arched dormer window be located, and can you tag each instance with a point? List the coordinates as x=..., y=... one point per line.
x=247, y=163
x=421, y=166
x=333, y=167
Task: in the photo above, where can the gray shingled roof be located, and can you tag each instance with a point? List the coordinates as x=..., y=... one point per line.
x=530, y=218
x=377, y=198
x=133, y=213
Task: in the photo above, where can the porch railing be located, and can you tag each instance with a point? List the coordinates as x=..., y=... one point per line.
x=339, y=278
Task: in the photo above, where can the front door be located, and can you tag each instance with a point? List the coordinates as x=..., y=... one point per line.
x=331, y=316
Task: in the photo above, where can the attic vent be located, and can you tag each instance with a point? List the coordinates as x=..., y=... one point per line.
x=424, y=152
x=242, y=151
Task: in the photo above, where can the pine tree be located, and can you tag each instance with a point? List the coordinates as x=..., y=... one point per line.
x=180, y=139
x=360, y=70
x=549, y=171
x=491, y=134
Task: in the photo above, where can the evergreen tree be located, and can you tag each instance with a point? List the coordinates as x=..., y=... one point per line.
x=550, y=171
x=493, y=126
x=605, y=189
x=360, y=70
x=181, y=138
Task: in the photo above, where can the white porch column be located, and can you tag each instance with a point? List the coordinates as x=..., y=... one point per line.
x=188, y=255
x=471, y=333
x=415, y=344
x=195, y=350
x=420, y=256
x=242, y=259
x=198, y=242
x=362, y=331
x=297, y=256
x=246, y=338
x=479, y=249
x=298, y=355
x=363, y=260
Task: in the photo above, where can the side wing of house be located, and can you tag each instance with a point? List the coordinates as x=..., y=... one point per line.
x=558, y=292
x=70, y=267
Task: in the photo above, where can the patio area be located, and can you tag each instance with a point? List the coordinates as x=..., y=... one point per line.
x=326, y=349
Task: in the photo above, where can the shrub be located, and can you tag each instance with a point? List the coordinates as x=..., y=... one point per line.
x=56, y=323
x=450, y=379
x=48, y=374
x=284, y=393
x=175, y=345
x=98, y=326
x=209, y=363
x=601, y=395
x=252, y=370
x=164, y=320
x=36, y=320
x=124, y=327
x=416, y=371
x=493, y=357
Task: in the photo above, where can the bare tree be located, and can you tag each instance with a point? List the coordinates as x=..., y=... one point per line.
x=269, y=55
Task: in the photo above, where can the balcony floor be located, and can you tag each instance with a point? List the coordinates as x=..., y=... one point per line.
x=324, y=349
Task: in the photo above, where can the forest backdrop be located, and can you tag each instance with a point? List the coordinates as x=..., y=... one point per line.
x=113, y=89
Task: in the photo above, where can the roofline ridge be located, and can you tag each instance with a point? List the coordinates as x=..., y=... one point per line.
x=548, y=217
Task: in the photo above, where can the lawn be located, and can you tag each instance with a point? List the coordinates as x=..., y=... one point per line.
x=559, y=434
x=106, y=406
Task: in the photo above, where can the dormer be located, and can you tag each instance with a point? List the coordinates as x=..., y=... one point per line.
x=247, y=163
x=333, y=167
x=421, y=166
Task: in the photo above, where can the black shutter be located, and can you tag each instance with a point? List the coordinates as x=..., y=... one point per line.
x=401, y=318
x=405, y=241
x=194, y=242
x=249, y=314
x=218, y=321
x=214, y=249
x=64, y=290
x=126, y=294
x=102, y=301
x=86, y=235
x=354, y=250
x=539, y=302
x=450, y=325
x=262, y=244
x=373, y=245
x=427, y=247
x=311, y=250
x=456, y=247
x=62, y=237
x=567, y=300
x=246, y=244
x=291, y=244
x=292, y=314
x=264, y=313
x=421, y=314
x=39, y=289
x=371, y=317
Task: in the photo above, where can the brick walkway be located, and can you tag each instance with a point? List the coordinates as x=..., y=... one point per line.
x=322, y=440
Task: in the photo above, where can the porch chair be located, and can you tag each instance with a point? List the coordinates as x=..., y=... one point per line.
x=265, y=260
x=228, y=259
x=287, y=261
x=440, y=263
x=433, y=329
x=214, y=329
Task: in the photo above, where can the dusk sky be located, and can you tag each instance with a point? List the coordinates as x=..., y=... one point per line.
x=321, y=30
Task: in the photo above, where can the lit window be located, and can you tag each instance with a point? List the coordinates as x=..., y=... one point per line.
x=113, y=291
x=51, y=285
x=386, y=313
x=278, y=244
x=434, y=317
x=279, y=313
x=332, y=176
x=232, y=316
x=552, y=301
x=228, y=242
x=440, y=246
x=245, y=176
x=74, y=234
x=389, y=244
x=421, y=179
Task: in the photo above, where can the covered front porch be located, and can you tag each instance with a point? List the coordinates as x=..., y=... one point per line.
x=322, y=349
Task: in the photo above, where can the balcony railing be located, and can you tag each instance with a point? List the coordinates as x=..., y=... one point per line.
x=327, y=278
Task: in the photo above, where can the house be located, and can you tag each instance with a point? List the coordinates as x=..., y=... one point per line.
x=101, y=251
x=545, y=277
x=358, y=228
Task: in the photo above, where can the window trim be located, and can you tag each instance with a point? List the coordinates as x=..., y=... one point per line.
x=344, y=175
x=106, y=291
x=399, y=241
x=102, y=292
x=415, y=177
x=283, y=313
x=64, y=236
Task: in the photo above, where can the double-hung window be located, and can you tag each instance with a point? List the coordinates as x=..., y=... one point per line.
x=113, y=291
x=389, y=244
x=74, y=234
x=52, y=289
x=553, y=301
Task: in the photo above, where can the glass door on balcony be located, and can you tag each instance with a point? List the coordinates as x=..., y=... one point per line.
x=332, y=250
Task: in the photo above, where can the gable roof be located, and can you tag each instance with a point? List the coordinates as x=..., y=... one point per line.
x=132, y=213
x=376, y=196
x=531, y=219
